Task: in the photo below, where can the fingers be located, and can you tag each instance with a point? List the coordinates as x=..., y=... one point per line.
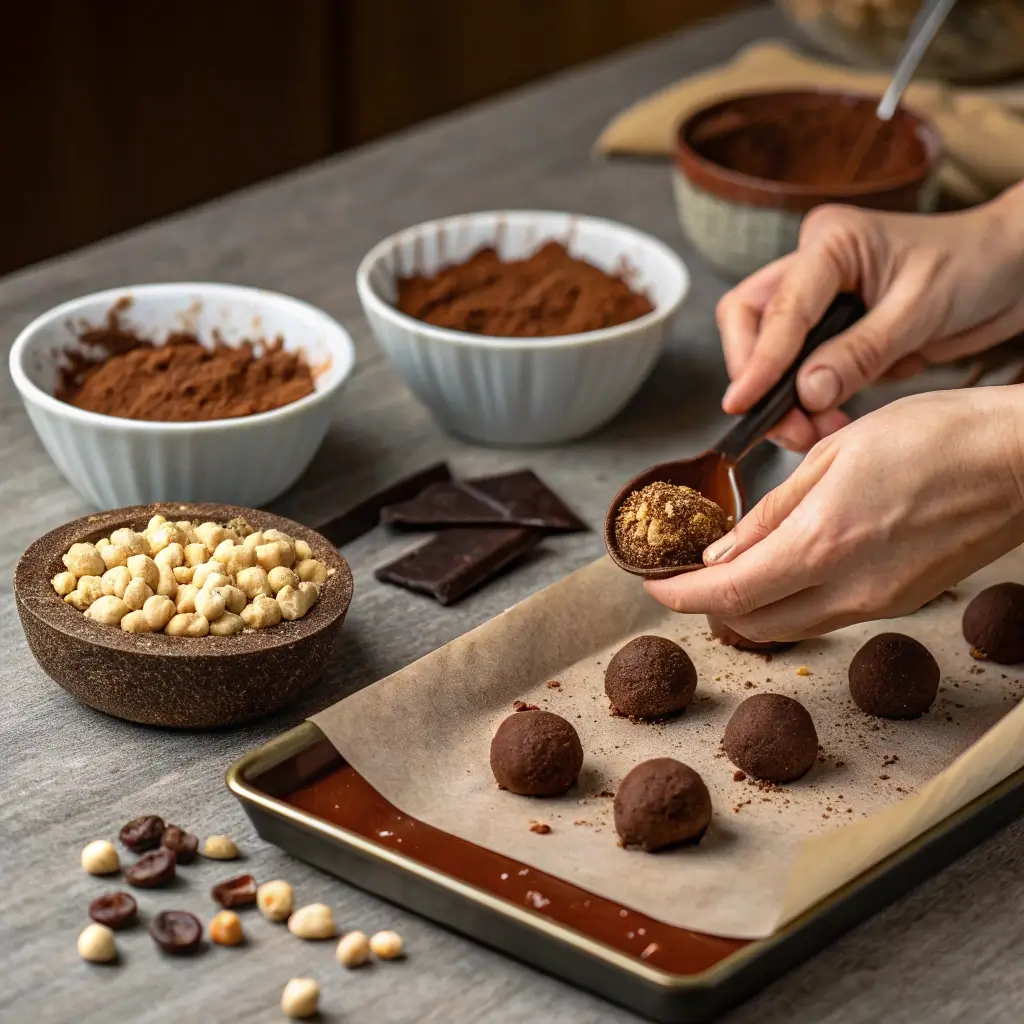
x=739, y=314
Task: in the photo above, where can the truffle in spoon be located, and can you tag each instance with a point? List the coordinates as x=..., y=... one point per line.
x=667, y=524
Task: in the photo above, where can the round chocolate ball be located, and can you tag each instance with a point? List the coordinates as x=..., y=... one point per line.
x=771, y=736
x=661, y=803
x=994, y=623
x=536, y=753
x=894, y=676
x=728, y=636
x=650, y=677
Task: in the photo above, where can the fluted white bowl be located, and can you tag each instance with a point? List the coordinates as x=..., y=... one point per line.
x=247, y=461
x=521, y=391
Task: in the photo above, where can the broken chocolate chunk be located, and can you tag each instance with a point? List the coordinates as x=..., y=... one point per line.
x=511, y=499
x=362, y=518
x=457, y=561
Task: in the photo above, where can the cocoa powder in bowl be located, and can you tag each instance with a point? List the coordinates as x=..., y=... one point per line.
x=548, y=294
x=181, y=380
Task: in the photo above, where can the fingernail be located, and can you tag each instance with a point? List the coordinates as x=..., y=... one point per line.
x=820, y=389
x=721, y=547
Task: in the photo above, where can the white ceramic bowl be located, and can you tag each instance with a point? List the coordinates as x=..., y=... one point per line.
x=521, y=391
x=248, y=461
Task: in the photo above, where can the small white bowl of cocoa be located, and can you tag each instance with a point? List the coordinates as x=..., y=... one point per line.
x=519, y=327
x=181, y=392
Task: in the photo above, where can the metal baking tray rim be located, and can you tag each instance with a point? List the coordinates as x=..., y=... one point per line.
x=303, y=736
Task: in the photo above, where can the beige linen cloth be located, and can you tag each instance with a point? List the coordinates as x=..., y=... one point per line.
x=982, y=130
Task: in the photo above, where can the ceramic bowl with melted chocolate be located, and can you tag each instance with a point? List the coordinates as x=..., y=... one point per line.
x=155, y=679
x=748, y=168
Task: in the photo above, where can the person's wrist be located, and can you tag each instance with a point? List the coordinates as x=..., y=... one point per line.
x=1009, y=402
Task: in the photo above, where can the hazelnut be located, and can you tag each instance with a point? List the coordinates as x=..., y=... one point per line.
x=210, y=603
x=142, y=567
x=158, y=610
x=234, y=599
x=183, y=574
x=77, y=600
x=262, y=613
x=237, y=558
x=226, y=929
x=96, y=944
x=254, y=540
x=172, y=556
x=164, y=536
x=114, y=555
x=279, y=577
x=311, y=571
x=84, y=560
x=296, y=601
x=107, y=611
x=254, y=583
x=386, y=945
x=195, y=554
x=300, y=998
x=220, y=848
x=313, y=921
x=90, y=587
x=137, y=593
x=274, y=553
x=186, y=598
x=188, y=624
x=353, y=950
x=302, y=551
x=116, y=580
x=64, y=583
x=100, y=858
x=168, y=585
x=208, y=569
x=156, y=522
x=136, y=622
x=227, y=625
x=211, y=535
x=275, y=900
x=136, y=543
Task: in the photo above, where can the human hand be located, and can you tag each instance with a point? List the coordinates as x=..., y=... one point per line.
x=938, y=288
x=877, y=520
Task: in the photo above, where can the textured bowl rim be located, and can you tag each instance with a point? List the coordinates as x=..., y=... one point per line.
x=35, y=594
x=369, y=296
x=336, y=337
x=687, y=159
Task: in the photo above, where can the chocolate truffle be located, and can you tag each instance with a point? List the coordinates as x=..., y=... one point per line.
x=994, y=624
x=771, y=736
x=650, y=677
x=661, y=803
x=729, y=637
x=536, y=753
x=894, y=676
x=664, y=525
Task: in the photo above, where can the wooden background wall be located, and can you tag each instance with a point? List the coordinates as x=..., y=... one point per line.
x=114, y=112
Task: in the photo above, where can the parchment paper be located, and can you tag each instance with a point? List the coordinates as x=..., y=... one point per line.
x=421, y=737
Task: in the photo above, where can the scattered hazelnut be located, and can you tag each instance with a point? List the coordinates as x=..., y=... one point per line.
x=311, y=571
x=196, y=554
x=263, y=612
x=208, y=569
x=302, y=551
x=107, y=611
x=138, y=592
x=142, y=567
x=313, y=921
x=116, y=580
x=386, y=945
x=300, y=998
x=226, y=929
x=275, y=900
x=114, y=555
x=136, y=622
x=296, y=601
x=227, y=625
x=64, y=583
x=186, y=598
x=84, y=560
x=210, y=603
x=220, y=848
x=96, y=944
x=100, y=858
x=183, y=574
x=279, y=577
x=158, y=610
x=353, y=950
x=188, y=624
x=254, y=583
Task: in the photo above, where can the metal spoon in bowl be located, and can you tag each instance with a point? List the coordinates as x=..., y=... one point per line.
x=714, y=473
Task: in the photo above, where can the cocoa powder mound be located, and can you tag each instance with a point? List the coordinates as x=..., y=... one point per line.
x=181, y=380
x=548, y=294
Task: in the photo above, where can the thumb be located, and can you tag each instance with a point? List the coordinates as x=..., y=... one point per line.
x=864, y=353
x=772, y=510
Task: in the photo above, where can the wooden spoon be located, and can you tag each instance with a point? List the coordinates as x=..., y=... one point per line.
x=714, y=473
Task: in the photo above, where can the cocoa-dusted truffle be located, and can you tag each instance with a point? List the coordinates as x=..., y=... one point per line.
x=649, y=678
x=729, y=637
x=664, y=525
x=894, y=676
x=994, y=624
x=536, y=753
x=771, y=736
x=661, y=803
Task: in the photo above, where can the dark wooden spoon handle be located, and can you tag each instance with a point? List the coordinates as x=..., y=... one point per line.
x=845, y=311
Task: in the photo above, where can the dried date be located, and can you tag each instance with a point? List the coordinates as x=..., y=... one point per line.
x=184, y=845
x=239, y=891
x=114, y=909
x=176, y=932
x=152, y=869
x=141, y=834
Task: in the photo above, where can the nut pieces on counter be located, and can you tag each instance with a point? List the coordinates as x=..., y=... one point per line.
x=192, y=580
x=180, y=932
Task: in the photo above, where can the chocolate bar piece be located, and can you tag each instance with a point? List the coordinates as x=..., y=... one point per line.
x=457, y=561
x=363, y=517
x=520, y=499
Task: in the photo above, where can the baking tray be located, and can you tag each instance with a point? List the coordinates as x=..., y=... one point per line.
x=564, y=931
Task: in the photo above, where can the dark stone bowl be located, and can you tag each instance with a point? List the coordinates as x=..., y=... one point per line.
x=185, y=682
